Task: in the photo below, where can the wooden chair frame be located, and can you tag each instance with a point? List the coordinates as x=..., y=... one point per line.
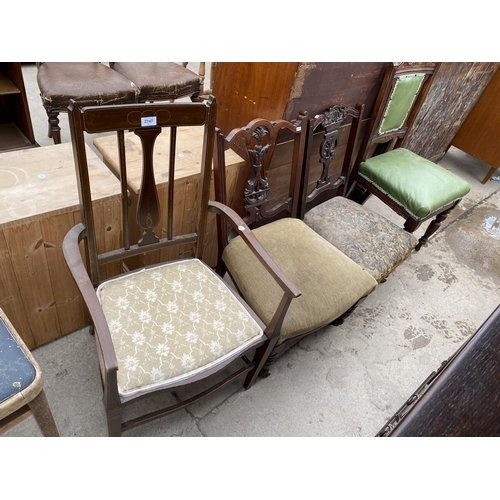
x=121, y=118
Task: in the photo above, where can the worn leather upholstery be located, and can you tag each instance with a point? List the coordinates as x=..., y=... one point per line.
x=89, y=83
x=330, y=282
x=171, y=321
x=160, y=80
x=417, y=184
x=369, y=239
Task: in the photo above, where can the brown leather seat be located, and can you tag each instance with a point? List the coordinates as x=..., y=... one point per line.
x=89, y=83
x=160, y=81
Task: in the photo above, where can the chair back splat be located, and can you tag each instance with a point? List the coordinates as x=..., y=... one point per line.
x=167, y=321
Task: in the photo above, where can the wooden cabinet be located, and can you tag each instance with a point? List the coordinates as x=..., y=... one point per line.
x=16, y=130
x=480, y=133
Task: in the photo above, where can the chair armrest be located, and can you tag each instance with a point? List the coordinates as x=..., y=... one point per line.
x=257, y=249
x=74, y=260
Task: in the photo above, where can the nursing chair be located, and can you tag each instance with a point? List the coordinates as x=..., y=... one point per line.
x=414, y=187
x=369, y=239
x=330, y=282
x=89, y=83
x=174, y=324
x=161, y=81
x=21, y=384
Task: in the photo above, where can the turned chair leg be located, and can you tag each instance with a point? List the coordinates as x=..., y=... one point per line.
x=54, y=129
x=40, y=409
x=432, y=228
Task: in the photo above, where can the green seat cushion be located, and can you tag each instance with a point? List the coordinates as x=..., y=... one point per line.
x=369, y=239
x=330, y=282
x=417, y=184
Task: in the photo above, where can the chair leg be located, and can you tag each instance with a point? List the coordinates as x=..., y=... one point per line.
x=114, y=422
x=261, y=356
x=54, y=129
x=432, y=228
x=39, y=406
x=359, y=194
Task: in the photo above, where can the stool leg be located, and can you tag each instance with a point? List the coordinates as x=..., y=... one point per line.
x=54, y=129
x=39, y=406
x=432, y=228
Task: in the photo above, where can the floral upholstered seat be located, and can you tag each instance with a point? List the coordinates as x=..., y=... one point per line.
x=149, y=313
x=369, y=239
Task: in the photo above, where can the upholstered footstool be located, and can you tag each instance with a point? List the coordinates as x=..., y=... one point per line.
x=369, y=239
x=21, y=383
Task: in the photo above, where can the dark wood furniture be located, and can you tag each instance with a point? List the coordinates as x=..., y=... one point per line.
x=171, y=325
x=460, y=399
x=414, y=187
x=330, y=283
x=21, y=384
x=16, y=130
x=479, y=133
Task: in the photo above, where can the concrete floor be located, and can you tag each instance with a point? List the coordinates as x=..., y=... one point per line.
x=343, y=381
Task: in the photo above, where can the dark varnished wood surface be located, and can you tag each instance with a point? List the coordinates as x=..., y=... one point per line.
x=464, y=399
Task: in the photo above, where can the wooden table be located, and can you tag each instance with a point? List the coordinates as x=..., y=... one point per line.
x=189, y=143
x=38, y=205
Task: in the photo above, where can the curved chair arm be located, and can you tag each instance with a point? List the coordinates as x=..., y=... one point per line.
x=257, y=249
x=74, y=260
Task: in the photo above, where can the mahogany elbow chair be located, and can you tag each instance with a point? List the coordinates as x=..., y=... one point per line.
x=175, y=323
x=415, y=188
x=330, y=282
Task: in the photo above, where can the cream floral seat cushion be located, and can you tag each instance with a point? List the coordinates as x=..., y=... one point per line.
x=369, y=239
x=172, y=321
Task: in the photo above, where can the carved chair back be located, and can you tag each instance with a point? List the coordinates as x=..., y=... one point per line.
x=147, y=121
x=331, y=141
x=269, y=185
x=401, y=95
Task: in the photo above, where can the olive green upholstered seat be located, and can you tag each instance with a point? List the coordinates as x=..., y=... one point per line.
x=330, y=282
x=418, y=185
x=369, y=239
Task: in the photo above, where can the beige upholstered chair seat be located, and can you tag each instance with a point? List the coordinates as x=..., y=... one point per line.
x=369, y=239
x=330, y=281
x=148, y=312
